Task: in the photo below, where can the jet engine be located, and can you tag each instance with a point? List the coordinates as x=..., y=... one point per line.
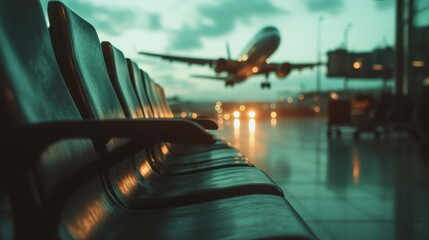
x=221, y=65
x=283, y=70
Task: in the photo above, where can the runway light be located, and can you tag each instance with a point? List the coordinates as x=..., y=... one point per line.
x=226, y=116
x=252, y=125
x=268, y=61
x=236, y=114
x=183, y=114
x=236, y=124
x=244, y=57
x=194, y=115
x=242, y=108
x=316, y=109
x=219, y=103
x=252, y=114
x=217, y=107
x=220, y=110
x=357, y=65
x=255, y=69
x=273, y=114
x=334, y=96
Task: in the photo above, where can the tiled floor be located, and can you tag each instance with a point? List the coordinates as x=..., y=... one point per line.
x=343, y=189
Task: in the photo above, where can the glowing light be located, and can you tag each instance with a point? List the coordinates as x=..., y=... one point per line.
x=183, y=114
x=217, y=107
x=164, y=149
x=252, y=125
x=87, y=222
x=268, y=61
x=220, y=110
x=273, y=114
x=226, y=116
x=273, y=122
x=236, y=123
x=416, y=63
x=242, y=108
x=127, y=185
x=426, y=81
x=301, y=96
x=356, y=166
x=236, y=142
x=290, y=100
x=244, y=57
x=273, y=106
x=194, y=115
x=282, y=99
x=357, y=64
x=236, y=114
x=252, y=114
x=316, y=109
x=334, y=96
x=377, y=67
x=219, y=103
x=255, y=69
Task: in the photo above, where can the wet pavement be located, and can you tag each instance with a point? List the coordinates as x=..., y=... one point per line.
x=343, y=188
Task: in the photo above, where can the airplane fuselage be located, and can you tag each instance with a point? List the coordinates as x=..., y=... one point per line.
x=257, y=52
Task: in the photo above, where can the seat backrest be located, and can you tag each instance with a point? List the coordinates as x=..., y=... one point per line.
x=32, y=91
x=152, y=95
x=79, y=53
x=163, y=101
x=137, y=81
x=120, y=78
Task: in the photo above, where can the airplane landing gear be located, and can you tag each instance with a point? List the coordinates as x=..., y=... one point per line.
x=265, y=85
x=228, y=84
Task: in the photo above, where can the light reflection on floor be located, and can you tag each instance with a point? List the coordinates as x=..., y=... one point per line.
x=344, y=189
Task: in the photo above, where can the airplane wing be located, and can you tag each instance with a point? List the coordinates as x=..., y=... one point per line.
x=189, y=60
x=304, y=65
x=209, y=77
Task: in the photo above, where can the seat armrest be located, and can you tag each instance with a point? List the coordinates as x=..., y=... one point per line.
x=149, y=131
x=205, y=123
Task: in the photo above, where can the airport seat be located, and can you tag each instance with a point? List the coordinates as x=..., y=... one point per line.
x=47, y=149
x=54, y=170
x=86, y=71
x=160, y=107
x=202, y=160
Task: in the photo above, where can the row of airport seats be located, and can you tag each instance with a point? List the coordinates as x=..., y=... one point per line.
x=90, y=148
x=390, y=113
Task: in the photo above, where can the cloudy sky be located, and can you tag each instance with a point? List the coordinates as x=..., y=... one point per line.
x=201, y=29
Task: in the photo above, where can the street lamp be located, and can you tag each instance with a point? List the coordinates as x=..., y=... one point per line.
x=319, y=47
x=346, y=35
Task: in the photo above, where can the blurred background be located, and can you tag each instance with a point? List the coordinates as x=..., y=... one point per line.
x=346, y=141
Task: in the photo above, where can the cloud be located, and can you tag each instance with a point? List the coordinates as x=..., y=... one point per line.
x=185, y=39
x=384, y=4
x=329, y=6
x=113, y=20
x=220, y=18
x=154, y=21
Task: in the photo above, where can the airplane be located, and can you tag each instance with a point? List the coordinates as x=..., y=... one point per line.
x=254, y=59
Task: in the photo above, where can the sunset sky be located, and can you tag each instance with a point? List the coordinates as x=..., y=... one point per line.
x=201, y=29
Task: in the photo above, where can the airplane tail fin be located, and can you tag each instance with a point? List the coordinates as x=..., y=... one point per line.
x=228, y=51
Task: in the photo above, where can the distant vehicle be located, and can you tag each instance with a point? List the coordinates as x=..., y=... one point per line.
x=254, y=59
